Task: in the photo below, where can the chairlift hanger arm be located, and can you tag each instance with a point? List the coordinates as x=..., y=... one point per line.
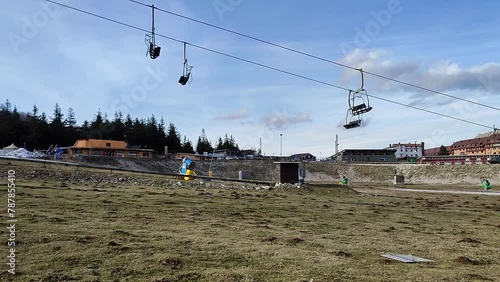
x=153, y=23
x=185, y=59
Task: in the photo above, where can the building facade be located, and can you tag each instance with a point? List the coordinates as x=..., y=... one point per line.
x=408, y=150
x=489, y=145
x=107, y=148
x=303, y=157
x=366, y=156
x=453, y=160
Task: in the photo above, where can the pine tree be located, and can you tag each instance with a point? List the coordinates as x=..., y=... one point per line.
x=220, y=144
x=173, y=139
x=34, y=112
x=187, y=147
x=443, y=151
x=118, y=127
x=203, y=145
x=6, y=106
x=71, y=119
x=71, y=132
x=98, y=121
x=56, y=128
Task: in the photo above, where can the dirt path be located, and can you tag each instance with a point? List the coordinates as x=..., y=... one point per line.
x=485, y=193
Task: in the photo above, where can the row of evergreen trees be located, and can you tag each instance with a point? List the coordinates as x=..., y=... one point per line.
x=34, y=130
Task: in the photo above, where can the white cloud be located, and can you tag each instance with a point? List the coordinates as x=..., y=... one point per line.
x=441, y=76
x=281, y=121
x=241, y=114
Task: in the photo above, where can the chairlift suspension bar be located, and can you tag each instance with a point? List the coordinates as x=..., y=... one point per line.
x=185, y=60
x=153, y=24
x=185, y=68
x=362, y=78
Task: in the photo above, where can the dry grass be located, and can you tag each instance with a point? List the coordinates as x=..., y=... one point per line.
x=91, y=232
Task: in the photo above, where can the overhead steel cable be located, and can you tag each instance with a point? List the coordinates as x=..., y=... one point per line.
x=262, y=65
x=318, y=57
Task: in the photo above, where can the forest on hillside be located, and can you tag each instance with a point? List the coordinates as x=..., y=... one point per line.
x=36, y=130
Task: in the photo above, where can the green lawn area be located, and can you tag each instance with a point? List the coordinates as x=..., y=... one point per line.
x=77, y=231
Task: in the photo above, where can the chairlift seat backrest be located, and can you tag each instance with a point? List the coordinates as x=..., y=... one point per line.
x=154, y=51
x=360, y=109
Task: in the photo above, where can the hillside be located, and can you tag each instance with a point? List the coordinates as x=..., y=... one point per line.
x=320, y=171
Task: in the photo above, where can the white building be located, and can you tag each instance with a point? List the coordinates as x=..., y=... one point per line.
x=408, y=150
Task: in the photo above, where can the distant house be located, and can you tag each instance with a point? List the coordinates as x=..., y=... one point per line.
x=226, y=154
x=247, y=154
x=107, y=148
x=408, y=150
x=302, y=157
x=366, y=156
x=194, y=157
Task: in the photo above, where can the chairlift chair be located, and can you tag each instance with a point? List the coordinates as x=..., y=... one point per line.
x=186, y=73
x=153, y=50
x=359, y=103
x=352, y=121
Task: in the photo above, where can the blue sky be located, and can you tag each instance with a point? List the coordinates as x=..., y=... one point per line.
x=55, y=55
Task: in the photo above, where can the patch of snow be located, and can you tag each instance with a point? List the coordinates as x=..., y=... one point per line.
x=22, y=153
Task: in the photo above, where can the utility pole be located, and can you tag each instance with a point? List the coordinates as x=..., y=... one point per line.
x=495, y=137
x=336, y=144
x=281, y=146
x=260, y=146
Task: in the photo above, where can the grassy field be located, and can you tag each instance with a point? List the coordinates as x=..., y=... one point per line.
x=70, y=230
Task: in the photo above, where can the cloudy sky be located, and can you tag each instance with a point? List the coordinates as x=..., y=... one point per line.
x=51, y=54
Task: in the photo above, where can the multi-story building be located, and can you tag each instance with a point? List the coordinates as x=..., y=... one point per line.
x=408, y=150
x=488, y=145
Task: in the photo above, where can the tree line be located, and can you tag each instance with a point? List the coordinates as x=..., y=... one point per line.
x=35, y=130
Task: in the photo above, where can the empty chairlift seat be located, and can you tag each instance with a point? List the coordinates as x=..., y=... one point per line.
x=353, y=124
x=360, y=109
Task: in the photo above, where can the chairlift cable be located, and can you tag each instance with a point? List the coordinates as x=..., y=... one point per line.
x=318, y=57
x=263, y=65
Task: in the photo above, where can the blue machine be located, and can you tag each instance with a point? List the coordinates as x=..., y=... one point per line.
x=187, y=164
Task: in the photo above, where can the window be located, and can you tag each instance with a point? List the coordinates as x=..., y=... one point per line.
x=108, y=144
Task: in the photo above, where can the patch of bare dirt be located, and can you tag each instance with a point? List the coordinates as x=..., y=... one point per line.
x=475, y=277
x=294, y=241
x=269, y=239
x=173, y=263
x=390, y=229
x=466, y=260
x=469, y=240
